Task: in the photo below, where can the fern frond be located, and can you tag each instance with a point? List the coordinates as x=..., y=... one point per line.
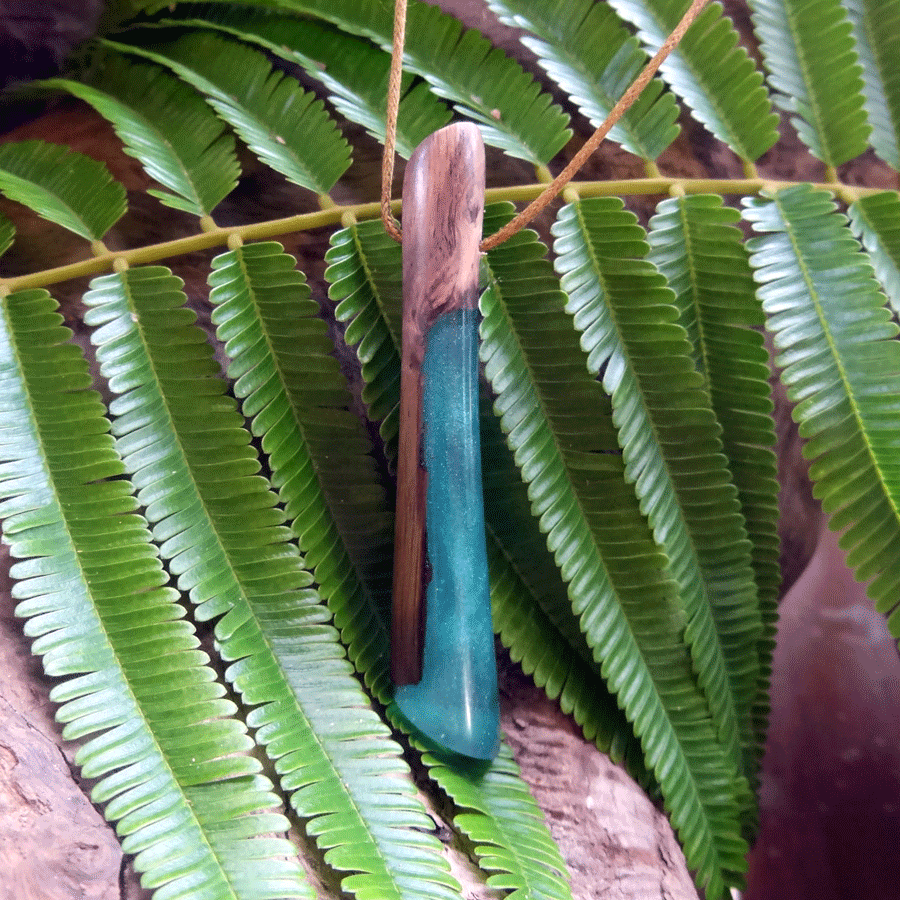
x=559, y=425
x=62, y=186
x=876, y=30
x=584, y=48
x=841, y=364
x=462, y=66
x=365, y=271
x=175, y=776
x=354, y=73
x=814, y=70
x=285, y=126
x=297, y=399
x=217, y=524
x=695, y=245
x=534, y=642
x=498, y=814
x=710, y=71
x=521, y=554
x=163, y=124
x=876, y=222
x=670, y=442
x=7, y=234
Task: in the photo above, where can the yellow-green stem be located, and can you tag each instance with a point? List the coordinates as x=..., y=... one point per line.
x=274, y=228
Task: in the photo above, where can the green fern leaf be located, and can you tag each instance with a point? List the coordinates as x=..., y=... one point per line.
x=463, y=67
x=365, y=273
x=584, y=48
x=286, y=127
x=499, y=815
x=841, y=364
x=162, y=123
x=532, y=613
x=876, y=29
x=534, y=642
x=670, y=442
x=710, y=71
x=518, y=554
x=297, y=399
x=695, y=245
x=175, y=776
x=217, y=524
x=496, y=812
x=814, y=69
x=876, y=222
x=559, y=425
x=701, y=254
x=7, y=234
x=62, y=186
x=353, y=71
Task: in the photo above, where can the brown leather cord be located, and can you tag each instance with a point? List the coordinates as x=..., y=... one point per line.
x=558, y=184
x=391, y=225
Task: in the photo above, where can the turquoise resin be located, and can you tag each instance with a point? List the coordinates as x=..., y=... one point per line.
x=455, y=704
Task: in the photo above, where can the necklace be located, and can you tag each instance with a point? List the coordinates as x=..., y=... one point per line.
x=442, y=648
x=442, y=641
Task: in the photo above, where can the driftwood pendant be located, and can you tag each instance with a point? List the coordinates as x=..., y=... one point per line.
x=442, y=645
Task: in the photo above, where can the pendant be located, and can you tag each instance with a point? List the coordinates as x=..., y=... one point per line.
x=442, y=643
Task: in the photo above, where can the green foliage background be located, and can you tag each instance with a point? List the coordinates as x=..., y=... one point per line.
x=628, y=466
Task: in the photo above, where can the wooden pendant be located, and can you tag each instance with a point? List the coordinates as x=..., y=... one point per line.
x=442, y=654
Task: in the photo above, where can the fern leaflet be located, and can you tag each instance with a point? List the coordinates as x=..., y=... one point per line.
x=286, y=127
x=182, y=440
x=841, y=359
x=176, y=777
x=64, y=187
x=194, y=161
x=809, y=52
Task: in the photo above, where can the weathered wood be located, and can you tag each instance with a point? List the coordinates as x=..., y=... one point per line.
x=830, y=788
x=443, y=202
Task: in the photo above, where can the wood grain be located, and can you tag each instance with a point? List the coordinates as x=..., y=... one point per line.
x=443, y=204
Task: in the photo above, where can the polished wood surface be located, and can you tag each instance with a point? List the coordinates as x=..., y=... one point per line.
x=443, y=204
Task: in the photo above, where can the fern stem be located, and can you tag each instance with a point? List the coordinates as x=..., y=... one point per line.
x=334, y=215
